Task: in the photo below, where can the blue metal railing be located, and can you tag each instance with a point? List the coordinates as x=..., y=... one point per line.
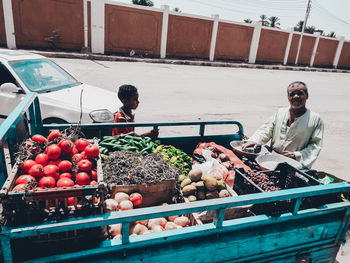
x=220, y=226
x=8, y=136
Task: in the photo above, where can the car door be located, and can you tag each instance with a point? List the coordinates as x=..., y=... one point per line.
x=8, y=100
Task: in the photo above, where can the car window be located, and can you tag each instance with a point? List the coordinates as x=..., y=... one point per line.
x=6, y=76
x=42, y=75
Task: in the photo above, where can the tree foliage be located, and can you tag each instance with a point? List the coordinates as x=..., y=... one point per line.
x=263, y=20
x=274, y=21
x=143, y=2
x=248, y=20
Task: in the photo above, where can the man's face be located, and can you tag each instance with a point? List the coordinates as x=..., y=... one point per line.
x=297, y=96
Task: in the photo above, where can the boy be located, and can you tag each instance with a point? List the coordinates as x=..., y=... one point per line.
x=129, y=96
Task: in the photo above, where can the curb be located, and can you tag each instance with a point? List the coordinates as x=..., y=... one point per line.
x=91, y=56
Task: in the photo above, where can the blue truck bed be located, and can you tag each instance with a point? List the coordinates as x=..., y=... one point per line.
x=308, y=235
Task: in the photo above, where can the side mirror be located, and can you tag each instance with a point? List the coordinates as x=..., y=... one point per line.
x=10, y=88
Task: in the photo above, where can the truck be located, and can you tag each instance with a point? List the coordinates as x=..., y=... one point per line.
x=295, y=233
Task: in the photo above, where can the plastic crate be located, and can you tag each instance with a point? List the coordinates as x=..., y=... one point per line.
x=284, y=177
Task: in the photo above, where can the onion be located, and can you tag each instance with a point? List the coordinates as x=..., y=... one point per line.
x=115, y=229
x=161, y=221
x=157, y=228
x=139, y=229
x=125, y=205
x=110, y=205
x=142, y=222
x=117, y=236
x=121, y=196
x=182, y=221
x=172, y=218
x=171, y=225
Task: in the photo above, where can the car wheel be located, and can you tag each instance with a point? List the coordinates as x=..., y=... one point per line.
x=54, y=121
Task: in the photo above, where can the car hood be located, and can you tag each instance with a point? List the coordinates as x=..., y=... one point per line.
x=93, y=98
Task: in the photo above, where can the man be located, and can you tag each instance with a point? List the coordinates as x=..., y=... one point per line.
x=295, y=132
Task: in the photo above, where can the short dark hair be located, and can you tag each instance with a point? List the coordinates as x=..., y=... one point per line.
x=298, y=83
x=126, y=92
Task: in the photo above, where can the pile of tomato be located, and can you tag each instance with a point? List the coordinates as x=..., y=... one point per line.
x=58, y=162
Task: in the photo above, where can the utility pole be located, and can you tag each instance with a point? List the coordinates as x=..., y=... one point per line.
x=308, y=8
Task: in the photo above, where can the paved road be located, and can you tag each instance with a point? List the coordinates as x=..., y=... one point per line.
x=186, y=93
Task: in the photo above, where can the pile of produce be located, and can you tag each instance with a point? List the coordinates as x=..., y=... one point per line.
x=175, y=157
x=263, y=181
x=128, y=168
x=197, y=186
x=126, y=142
x=123, y=201
x=144, y=146
x=60, y=160
x=224, y=156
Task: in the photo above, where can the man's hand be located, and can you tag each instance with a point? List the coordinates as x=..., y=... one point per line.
x=289, y=154
x=248, y=145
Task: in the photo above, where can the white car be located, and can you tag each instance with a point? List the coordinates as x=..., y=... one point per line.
x=62, y=98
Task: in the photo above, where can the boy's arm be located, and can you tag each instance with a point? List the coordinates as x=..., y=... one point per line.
x=153, y=134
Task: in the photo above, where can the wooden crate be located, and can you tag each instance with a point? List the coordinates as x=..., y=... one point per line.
x=230, y=213
x=153, y=195
x=26, y=207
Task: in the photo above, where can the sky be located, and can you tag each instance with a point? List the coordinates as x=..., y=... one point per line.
x=327, y=15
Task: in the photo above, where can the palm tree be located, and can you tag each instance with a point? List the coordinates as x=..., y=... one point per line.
x=143, y=2
x=176, y=9
x=248, y=20
x=263, y=20
x=274, y=21
x=332, y=34
x=310, y=29
x=299, y=26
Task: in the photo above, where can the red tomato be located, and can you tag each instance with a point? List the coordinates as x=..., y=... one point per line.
x=53, y=151
x=65, y=175
x=81, y=144
x=42, y=159
x=78, y=157
x=26, y=165
x=66, y=145
x=47, y=182
x=70, y=200
x=54, y=134
x=83, y=178
x=19, y=187
x=65, y=166
x=39, y=139
x=24, y=178
x=65, y=182
x=93, y=175
x=85, y=165
x=74, y=151
x=37, y=170
x=93, y=182
x=92, y=151
x=55, y=162
x=136, y=199
x=52, y=170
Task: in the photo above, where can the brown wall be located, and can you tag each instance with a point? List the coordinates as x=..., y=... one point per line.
x=130, y=28
x=344, y=60
x=272, y=46
x=3, y=41
x=325, y=53
x=293, y=49
x=36, y=20
x=188, y=37
x=307, y=46
x=233, y=41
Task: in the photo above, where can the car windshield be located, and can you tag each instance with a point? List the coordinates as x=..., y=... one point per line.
x=42, y=75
